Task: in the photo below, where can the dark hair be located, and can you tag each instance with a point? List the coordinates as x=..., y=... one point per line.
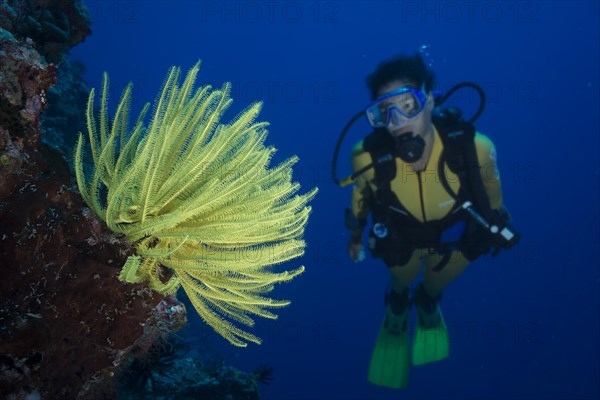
x=410, y=68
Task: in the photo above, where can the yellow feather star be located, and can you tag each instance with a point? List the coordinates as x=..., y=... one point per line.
x=196, y=196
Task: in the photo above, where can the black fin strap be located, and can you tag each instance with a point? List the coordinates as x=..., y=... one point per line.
x=425, y=301
x=399, y=302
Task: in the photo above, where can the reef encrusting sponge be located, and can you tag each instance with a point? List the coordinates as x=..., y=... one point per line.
x=197, y=196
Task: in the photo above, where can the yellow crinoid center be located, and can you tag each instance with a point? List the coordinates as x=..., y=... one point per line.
x=196, y=195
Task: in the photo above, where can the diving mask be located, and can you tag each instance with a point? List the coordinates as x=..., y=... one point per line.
x=396, y=108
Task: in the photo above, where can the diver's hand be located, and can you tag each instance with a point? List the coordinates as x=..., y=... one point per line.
x=356, y=251
x=504, y=214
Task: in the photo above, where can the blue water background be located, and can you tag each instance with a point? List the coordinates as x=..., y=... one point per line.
x=524, y=325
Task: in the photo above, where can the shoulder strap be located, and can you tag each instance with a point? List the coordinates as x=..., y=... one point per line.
x=460, y=154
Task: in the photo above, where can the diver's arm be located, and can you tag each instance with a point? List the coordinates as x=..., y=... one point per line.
x=359, y=211
x=361, y=193
x=356, y=215
x=486, y=155
x=356, y=218
x=508, y=236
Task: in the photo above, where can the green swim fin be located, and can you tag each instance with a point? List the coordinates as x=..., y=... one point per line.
x=431, y=341
x=390, y=361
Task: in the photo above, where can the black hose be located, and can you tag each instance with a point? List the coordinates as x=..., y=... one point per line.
x=473, y=85
x=441, y=100
x=339, y=144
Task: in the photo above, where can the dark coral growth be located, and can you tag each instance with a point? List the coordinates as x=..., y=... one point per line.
x=66, y=322
x=165, y=373
x=264, y=374
x=32, y=33
x=64, y=116
x=54, y=26
x=25, y=79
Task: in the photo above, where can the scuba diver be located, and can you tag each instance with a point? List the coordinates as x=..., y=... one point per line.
x=431, y=185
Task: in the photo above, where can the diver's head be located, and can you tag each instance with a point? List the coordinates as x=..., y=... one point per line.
x=404, y=68
x=401, y=90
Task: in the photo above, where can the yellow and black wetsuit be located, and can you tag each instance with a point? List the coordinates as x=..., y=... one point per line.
x=420, y=194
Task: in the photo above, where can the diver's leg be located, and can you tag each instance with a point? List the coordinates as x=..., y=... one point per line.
x=434, y=282
x=390, y=360
x=429, y=293
x=403, y=275
x=397, y=299
x=431, y=341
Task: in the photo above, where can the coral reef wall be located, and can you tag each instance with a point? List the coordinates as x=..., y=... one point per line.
x=66, y=322
x=54, y=25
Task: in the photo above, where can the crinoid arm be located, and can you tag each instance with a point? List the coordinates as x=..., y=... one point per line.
x=198, y=199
